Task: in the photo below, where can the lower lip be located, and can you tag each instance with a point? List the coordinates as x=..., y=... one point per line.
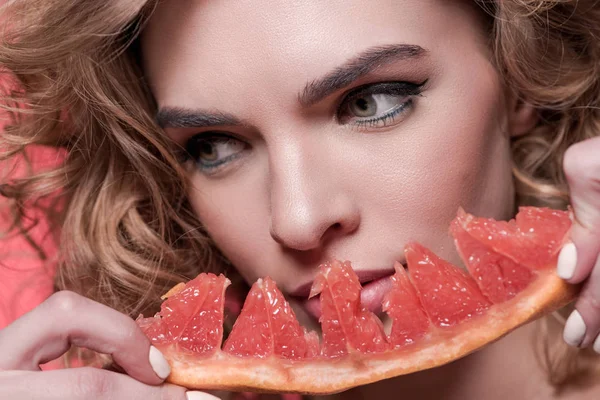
x=371, y=297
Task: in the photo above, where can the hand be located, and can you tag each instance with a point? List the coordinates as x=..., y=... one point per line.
x=579, y=260
x=67, y=319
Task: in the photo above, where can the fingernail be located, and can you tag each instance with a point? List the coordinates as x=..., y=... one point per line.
x=567, y=260
x=574, y=329
x=597, y=345
x=159, y=364
x=200, y=396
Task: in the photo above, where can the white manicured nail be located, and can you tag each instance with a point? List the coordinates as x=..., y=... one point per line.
x=574, y=329
x=159, y=364
x=567, y=260
x=597, y=344
x=200, y=396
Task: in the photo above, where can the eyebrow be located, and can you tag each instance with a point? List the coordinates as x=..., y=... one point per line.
x=365, y=62
x=178, y=117
x=313, y=92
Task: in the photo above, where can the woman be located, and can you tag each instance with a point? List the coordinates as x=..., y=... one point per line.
x=270, y=136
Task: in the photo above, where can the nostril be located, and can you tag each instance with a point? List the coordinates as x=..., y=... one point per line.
x=297, y=236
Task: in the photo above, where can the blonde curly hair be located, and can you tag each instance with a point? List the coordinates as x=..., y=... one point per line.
x=120, y=211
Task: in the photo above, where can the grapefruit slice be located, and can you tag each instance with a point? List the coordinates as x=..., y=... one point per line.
x=438, y=314
x=401, y=303
x=347, y=326
x=532, y=239
x=190, y=320
x=447, y=293
x=498, y=277
x=275, y=329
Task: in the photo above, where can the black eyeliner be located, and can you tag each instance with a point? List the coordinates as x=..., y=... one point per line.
x=403, y=89
x=392, y=88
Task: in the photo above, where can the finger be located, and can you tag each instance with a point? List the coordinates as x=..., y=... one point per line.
x=582, y=170
x=87, y=384
x=246, y=396
x=66, y=318
x=583, y=325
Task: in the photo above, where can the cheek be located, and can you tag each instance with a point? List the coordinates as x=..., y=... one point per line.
x=455, y=153
x=234, y=213
x=472, y=145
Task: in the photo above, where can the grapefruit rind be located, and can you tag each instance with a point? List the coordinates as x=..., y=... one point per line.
x=173, y=291
x=327, y=376
x=438, y=346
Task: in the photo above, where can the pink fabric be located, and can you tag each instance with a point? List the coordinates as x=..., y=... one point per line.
x=25, y=279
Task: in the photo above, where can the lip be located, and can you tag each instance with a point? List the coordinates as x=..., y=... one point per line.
x=364, y=276
x=375, y=284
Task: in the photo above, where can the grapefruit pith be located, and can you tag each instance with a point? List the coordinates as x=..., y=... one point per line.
x=439, y=313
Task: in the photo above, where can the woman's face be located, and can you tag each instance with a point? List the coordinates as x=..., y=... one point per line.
x=338, y=129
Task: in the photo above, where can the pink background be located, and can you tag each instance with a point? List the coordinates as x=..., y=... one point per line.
x=25, y=280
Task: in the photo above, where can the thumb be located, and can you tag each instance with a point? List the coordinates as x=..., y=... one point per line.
x=582, y=169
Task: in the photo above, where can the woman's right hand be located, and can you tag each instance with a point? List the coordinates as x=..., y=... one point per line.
x=66, y=319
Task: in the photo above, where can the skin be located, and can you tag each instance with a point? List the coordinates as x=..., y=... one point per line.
x=67, y=319
x=303, y=186
x=582, y=169
x=308, y=186
x=273, y=211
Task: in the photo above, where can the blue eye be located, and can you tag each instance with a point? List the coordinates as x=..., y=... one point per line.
x=378, y=105
x=211, y=150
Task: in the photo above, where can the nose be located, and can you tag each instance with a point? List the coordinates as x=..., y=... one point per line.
x=309, y=203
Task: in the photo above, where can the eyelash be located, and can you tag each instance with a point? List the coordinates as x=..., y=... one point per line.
x=184, y=155
x=406, y=90
x=386, y=119
x=409, y=90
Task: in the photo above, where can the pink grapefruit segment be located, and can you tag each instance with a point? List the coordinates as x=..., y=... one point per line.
x=401, y=303
x=268, y=326
x=191, y=317
x=447, y=293
x=533, y=239
x=547, y=228
x=154, y=329
x=437, y=312
x=498, y=277
x=347, y=325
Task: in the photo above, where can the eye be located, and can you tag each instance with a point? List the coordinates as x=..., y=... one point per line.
x=369, y=105
x=378, y=105
x=211, y=150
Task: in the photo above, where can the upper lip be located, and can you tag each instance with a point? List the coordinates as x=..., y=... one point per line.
x=364, y=276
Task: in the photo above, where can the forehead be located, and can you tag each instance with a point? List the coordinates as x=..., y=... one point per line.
x=225, y=45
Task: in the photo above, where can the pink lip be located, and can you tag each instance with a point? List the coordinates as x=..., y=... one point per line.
x=371, y=296
x=363, y=276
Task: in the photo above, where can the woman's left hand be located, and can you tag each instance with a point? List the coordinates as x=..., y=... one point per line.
x=579, y=260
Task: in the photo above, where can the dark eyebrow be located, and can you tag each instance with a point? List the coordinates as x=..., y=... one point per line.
x=365, y=62
x=353, y=69
x=178, y=117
